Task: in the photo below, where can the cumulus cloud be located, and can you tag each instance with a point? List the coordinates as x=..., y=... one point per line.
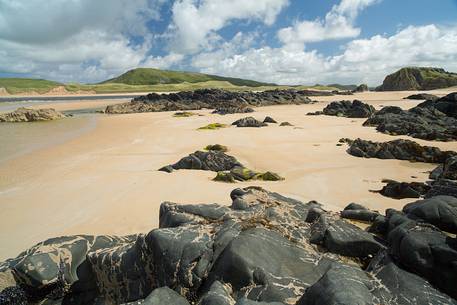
x=361, y=60
x=79, y=40
x=337, y=24
x=195, y=23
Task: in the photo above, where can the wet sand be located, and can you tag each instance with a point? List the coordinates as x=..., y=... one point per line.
x=105, y=180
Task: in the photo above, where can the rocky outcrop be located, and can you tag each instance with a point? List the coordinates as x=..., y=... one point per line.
x=31, y=115
x=354, y=109
x=422, y=96
x=418, y=78
x=263, y=249
x=430, y=120
x=401, y=190
x=399, y=149
x=223, y=101
x=361, y=88
x=228, y=168
x=249, y=122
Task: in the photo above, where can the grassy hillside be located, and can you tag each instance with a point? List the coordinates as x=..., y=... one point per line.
x=419, y=78
x=25, y=85
x=148, y=76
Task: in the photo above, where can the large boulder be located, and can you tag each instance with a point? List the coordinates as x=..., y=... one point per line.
x=440, y=211
x=207, y=160
x=31, y=115
x=354, y=109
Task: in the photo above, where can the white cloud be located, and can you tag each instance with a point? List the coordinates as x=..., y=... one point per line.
x=338, y=24
x=79, y=40
x=195, y=23
x=362, y=60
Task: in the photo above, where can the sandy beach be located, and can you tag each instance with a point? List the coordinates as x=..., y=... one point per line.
x=104, y=180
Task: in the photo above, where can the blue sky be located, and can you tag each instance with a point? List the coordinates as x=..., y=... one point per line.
x=281, y=41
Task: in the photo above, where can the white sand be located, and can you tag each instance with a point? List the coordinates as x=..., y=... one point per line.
x=106, y=181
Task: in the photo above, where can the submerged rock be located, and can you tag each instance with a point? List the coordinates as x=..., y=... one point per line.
x=31, y=115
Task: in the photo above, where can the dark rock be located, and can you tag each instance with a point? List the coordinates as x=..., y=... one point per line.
x=269, y=120
x=422, y=96
x=354, y=206
x=13, y=295
x=401, y=190
x=341, y=237
x=245, y=301
x=398, y=149
x=162, y=296
x=340, y=285
x=249, y=122
x=426, y=251
x=223, y=101
x=354, y=109
x=448, y=170
x=285, y=124
x=442, y=187
x=217, y=147
x=431, y=120
x=440, y=211
x=166, y=169
x=397, y=286
x=215, y=161
x=218, y=294
x=361, y=215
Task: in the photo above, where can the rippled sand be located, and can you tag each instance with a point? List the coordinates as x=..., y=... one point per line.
x=105, y=180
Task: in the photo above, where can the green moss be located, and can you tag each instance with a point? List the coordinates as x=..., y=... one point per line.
x=224, y=177
x=217, y=147
x=213, y=126
x=269, y=176
x=184, y=114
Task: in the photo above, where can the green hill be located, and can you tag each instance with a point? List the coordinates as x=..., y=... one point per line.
x=24, y=85
x=148, y=76
x=418, y=78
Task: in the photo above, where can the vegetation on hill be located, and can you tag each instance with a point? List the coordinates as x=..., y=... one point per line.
x=418, y=78
x=27, y=85
x=149, y=76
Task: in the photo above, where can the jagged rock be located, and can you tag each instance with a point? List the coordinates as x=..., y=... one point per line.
x=398, y=149
x=354, y=109
x=269, y=120
x=431, y=120
x=162, y=296
x=446, y=171
x=340, y=285
x=440, y=211
x=31, y=115
x=249, y=122
x=361, y=88
x=422, y=96
x=224, y=101
x=357, y=212
x=397, y=286
x=401, y=190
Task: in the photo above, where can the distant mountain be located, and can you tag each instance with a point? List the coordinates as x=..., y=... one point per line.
x=418, y=78
x=149, y=76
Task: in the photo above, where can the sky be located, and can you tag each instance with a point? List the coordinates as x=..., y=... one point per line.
x=279, y=41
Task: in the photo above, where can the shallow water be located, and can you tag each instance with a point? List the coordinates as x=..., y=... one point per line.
x=21, y=138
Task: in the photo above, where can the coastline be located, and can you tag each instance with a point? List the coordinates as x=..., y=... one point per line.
x=105, y=181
